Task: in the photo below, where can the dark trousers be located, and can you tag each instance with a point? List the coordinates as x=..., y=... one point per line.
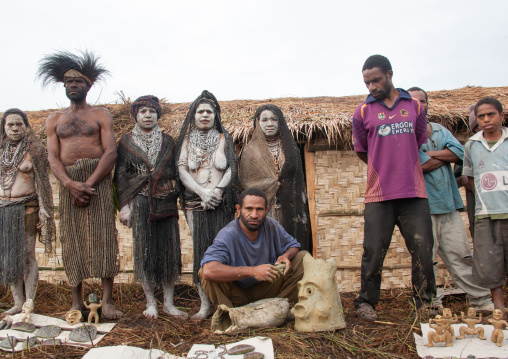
x=412, y=216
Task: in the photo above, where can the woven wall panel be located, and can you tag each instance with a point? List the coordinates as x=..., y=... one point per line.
x=340, y=184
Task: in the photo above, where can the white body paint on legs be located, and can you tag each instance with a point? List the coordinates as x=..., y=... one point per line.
x=169, y=307
x=30, y=278
x=206, y=306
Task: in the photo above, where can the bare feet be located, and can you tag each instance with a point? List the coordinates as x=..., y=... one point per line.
x=14, y=310
x=206, y=306
x=109, y=312
x=174, y=311
x=203, y=313
x=151, y=312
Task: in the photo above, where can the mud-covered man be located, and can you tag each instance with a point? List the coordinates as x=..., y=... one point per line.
x=81, y=153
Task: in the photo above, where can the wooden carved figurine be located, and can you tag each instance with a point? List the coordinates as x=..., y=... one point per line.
x=448, y=319
x=498, y=323
x=73, y=317
x=441, y=334
x=471, y=321
x=28, y=308
x=93, y=306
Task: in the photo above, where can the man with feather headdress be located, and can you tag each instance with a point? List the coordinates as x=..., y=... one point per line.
x=82, y=152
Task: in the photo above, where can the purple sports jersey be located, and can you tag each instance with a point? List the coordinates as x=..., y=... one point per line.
x=391, y=138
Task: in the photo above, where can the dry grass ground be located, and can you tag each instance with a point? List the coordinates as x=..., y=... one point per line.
x=390, y=337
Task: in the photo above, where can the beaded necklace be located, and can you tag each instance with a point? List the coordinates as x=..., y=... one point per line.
x=202, y=147
x=11, y=159
x=150, y=142
x=275, y=147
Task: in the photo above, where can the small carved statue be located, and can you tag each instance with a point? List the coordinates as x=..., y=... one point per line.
x=73, y=317
x=208, y=182
x=498, y=323
x=448, y=319
x=471, y=321
x=93, y=306
x=28, y=308
x=441, y=334
x=319, y=307
x=26, y=206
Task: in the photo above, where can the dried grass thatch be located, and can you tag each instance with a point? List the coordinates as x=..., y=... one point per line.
x=390, y=337
x=329, y=117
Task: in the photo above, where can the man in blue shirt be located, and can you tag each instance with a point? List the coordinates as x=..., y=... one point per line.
x=240, y=266
x=450, y=236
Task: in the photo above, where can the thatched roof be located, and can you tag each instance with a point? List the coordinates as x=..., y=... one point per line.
x=306, y=117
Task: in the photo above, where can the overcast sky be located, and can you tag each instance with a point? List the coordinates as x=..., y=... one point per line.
x=246, y=49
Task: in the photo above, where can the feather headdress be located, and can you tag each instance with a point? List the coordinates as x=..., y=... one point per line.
x=58, y=66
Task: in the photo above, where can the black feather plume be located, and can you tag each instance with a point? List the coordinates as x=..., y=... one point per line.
x=52, y=68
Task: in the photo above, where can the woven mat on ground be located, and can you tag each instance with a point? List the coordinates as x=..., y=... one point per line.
x=261, y=344
x=124, y=351
x=42, y=320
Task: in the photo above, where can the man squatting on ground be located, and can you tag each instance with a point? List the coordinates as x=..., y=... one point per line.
x=26, y=206
x=388, y=129
x=486, y=165
x=238, y=269
x=450, y=237
x=81, y=153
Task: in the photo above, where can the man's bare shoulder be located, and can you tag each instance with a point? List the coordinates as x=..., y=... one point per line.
x=102, y=113
x=55, y=116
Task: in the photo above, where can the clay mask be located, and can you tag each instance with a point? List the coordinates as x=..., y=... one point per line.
x=269, y=123
x=319, y=306
x=204, y=117
x=73, y=317
x=146, y=118
x=15, y=127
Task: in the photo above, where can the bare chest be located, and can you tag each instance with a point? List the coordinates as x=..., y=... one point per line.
x=76, y=127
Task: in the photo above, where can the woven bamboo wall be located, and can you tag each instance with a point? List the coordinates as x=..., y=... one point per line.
x=51, y=266
x=340, y=185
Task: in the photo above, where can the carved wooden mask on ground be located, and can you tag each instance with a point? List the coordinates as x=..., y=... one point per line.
x=319, y=307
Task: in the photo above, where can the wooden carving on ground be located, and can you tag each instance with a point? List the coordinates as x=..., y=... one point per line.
x=264, y=313
x=319, y=307
x=448, y=320
x=93, y=306
x=441, y=334
x=498, y=323
x=471, y=320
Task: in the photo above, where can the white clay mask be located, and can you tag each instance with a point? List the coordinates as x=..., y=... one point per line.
x=269, y=123
x=204, y=117
x=146, y=118
x=15, y=127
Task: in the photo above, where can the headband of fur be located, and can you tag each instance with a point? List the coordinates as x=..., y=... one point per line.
x=63, y=64
x=146, y=101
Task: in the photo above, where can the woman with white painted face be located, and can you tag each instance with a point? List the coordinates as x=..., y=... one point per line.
x=207, y=166
x=144, y=174
x=271, y=161
x=26, y=206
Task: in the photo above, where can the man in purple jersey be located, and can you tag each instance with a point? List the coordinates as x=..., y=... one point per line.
x=388, y=129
